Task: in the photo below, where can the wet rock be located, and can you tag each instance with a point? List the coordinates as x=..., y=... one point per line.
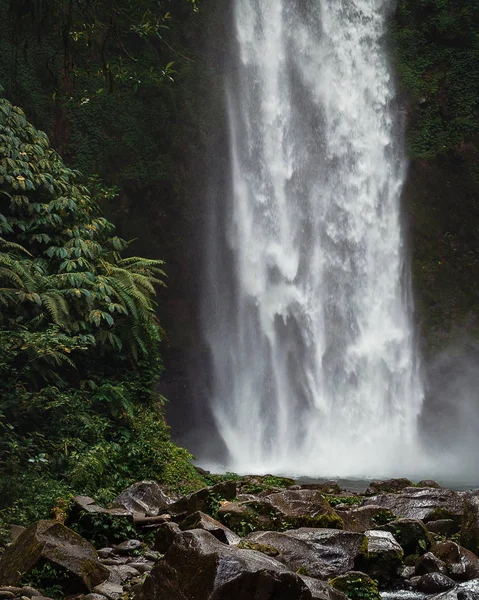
x=200, y=520
x=445, y=527
x=461, y=563
x=94, y=597
x=429, y=563
x=366, y=517
x=320, y=590
x=241, y=516
x=16, y=531
x=320, y=553
x=52, y=541
x=199, y=566
x=165, y=536
x=390, y=486
x=145, y=498
x=470, y=523
x=6, y=595
x=425, y=504
x=433, y=583
x=105, y=552
x=114, y=561
x=411, y=534
x=127, y=547
x=153, y=555
x=384, y=556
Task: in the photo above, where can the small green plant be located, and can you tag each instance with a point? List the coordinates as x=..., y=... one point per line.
x=347, y=500
x=51, y=579
x=357, y=586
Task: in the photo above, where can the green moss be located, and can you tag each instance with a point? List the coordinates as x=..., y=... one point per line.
x=347, y=500
x=326, y=520
x=383, y=516
x=263, y=548
x=357, y=586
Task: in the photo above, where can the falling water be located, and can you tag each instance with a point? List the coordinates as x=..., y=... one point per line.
x=309, y=310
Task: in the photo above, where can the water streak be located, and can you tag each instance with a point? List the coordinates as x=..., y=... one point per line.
x=309, y=311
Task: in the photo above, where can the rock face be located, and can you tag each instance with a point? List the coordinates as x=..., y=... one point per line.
x=323, y=591
x=145, y=498
x=426, y=504
x=52, y=541
x=198, y=566
x=428, y=563
x=199, y=520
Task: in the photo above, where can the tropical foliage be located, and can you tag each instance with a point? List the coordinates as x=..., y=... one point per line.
x=78, y=337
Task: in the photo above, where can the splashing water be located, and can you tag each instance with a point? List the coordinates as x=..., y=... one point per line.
x=310, y=326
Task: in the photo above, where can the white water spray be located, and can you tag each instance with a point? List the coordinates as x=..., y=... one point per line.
x=310, y=328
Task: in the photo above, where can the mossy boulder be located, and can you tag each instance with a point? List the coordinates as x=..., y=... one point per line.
x=383, y=558
x=280, y=511
x=357, y=586
x=203, y=500
x=51, y=541
x=411, y=534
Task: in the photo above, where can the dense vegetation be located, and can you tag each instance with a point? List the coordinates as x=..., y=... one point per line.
x=79, y=338
x=437, y=52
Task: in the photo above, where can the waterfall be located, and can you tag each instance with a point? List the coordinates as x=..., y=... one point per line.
x=308, y=314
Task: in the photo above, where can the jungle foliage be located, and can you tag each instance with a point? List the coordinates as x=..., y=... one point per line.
x=79, y=339
x=436, y=55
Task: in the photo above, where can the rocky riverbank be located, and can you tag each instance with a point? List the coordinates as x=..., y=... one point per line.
x=259, y=538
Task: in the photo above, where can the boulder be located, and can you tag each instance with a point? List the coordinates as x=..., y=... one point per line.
x=425, y=504
x=388, y=486
x=384, y=556
x=199, y=566
x=357, y=585
x=199, y=520
x=470, y=523
x=316, y=553
x=433, y=583
x=145, y=498
x=461, y=563
x=304, y=508
x=165, y=535
x=411, y=534
x=52, y=541
x=445, y=527
x=337, y=549
x=428, y=563
x=366, y=517
x=279, y=511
